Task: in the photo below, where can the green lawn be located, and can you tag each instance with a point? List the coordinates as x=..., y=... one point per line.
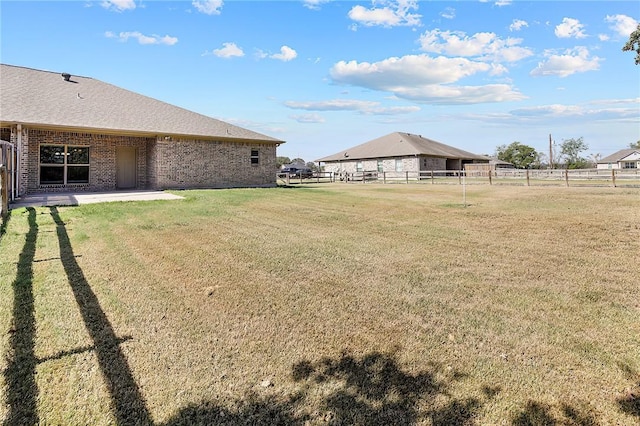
x=325, y=304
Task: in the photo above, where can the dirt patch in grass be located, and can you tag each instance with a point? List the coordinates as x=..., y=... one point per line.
x=345, y=304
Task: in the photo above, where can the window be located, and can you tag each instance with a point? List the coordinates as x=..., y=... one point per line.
x=63, y=164
x=380, y=166
x=399, y=165
x=255, y=156
x=630, y=165
x=359, y=166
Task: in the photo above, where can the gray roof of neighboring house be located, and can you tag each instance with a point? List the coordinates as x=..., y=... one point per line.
x=36, y=97
x=617, y=156
x=400, y=144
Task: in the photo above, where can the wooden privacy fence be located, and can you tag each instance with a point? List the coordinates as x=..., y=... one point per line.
x=557, y=177
x=4, y=191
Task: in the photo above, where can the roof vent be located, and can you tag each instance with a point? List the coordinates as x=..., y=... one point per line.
x=66, y=76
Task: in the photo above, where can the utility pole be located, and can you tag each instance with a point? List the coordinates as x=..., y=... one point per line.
x=550, y=152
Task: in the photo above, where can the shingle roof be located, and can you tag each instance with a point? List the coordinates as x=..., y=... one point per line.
x=30, y=96
x=400, y=144
x=617, y=156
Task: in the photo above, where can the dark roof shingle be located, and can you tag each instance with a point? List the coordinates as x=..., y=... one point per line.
x=30, y=96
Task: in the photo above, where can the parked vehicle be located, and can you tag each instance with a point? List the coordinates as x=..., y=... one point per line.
x=303, y=172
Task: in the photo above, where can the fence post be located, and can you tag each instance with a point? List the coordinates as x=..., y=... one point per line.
x=490, y=182
x=432, y=180
x=613, y=177
x=384, y=177
x=528, y=178
x=459, y=172
x=4, y=192
x=566, y=176
x=406, y=176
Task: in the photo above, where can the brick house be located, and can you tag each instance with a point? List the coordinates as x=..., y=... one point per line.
x=72, y=133
x=400, y=152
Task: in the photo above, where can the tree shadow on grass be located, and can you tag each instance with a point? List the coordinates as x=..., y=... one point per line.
x=630, y=403
x=539, y=414
x=22, y=390
x=371, y=390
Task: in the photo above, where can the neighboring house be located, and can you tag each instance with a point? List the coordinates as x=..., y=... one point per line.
x=74, y=133
x=400, y=152
x=493, y=165
x=624, y=159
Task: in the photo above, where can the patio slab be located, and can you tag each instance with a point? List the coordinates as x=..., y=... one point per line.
x=78, y=198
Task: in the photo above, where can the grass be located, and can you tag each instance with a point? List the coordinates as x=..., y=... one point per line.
x=327, y=304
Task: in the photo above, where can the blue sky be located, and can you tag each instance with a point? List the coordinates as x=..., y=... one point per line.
x=327, y=75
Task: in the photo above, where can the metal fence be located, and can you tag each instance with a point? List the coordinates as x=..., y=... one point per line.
x=549, y=177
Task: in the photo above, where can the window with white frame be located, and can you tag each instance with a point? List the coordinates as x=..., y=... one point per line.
x=255, y=156
x=64, y=164
x=630, y=165
x=380, y=166
x=399, y=165
x=359, y=166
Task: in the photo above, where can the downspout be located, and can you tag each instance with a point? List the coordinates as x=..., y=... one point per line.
x=18, y=157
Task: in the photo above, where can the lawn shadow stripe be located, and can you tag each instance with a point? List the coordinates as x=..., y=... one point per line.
x=127, y=401
x=22, y=390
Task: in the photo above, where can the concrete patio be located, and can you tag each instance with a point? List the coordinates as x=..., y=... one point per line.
x=78, y=198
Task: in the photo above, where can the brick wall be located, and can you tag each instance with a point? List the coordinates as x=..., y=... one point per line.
x=160, y=163
x=191, y=163
x=102, y=159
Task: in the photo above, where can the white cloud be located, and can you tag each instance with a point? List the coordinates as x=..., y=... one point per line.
x=208, y=7
x=448, y=13
x=484, y=46
x=391, y=14
x=142, y=39
x=314, y=4
x=570, y=62
x=623, y=25
x=308, y=118
x=597, y=110
x=422, y=78
x=603, y=37
x=229, y=50
x=501, y=3
x=570, y=28
x=119, y=5
x=518, y=24
x=362, y=107
x=332, y=105
x=286, y=54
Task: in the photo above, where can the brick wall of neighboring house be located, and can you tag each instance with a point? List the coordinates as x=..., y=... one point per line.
x=409, y=164
x=191, y=163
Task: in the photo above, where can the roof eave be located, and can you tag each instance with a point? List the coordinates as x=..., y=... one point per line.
x=138, y=133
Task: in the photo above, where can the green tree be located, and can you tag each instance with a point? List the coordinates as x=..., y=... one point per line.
x=635, y=145
x=570, y=151
x=280, y=161
x=634, y=44
x=518, y=154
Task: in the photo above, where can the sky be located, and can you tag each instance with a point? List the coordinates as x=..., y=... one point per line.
x=326, y=75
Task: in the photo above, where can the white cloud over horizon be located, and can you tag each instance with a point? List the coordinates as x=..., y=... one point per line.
x=566, y=63
x=570, y=28
x=390, y=14
x=228, y=50
x=208, y=7
x=486, y=46
x=118, y=5
x=622, y=25
x=142, y=39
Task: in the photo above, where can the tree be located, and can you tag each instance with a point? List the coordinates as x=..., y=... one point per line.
x=518, y=154
x=634, y=44
x=570, y=150
x=635, y=145
x=280, y=161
